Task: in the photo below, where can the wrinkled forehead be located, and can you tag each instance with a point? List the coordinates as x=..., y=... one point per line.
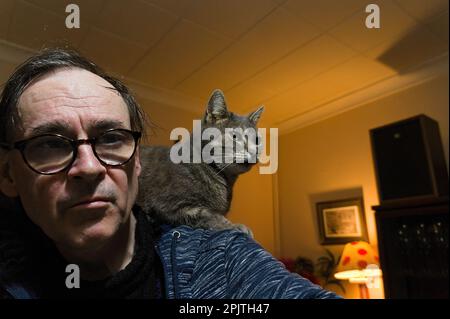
x=72, y=99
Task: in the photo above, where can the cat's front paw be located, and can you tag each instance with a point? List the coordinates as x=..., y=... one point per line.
x=244, y=229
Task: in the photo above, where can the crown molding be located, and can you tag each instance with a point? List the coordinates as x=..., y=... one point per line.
x=397, y=83
x=16, y=54
x=170, y=98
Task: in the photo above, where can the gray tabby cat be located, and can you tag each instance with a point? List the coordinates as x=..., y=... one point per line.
x=198, y=194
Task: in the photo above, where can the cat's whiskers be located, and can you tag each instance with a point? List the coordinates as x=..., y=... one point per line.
x=217, y=173
x=234, y=160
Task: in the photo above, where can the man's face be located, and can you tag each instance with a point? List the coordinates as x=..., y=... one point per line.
x=85, y=205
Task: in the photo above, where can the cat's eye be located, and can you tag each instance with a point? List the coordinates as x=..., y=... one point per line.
x=236, y=136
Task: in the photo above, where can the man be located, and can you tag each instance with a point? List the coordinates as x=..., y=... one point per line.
x=70, y=156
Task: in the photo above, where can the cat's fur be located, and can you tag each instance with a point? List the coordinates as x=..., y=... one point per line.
x=194, y=194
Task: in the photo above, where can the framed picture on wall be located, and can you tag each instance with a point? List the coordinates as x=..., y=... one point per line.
x=341, y=221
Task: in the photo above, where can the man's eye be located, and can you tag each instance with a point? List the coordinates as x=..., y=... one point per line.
x=113, y=138
x=52, y=144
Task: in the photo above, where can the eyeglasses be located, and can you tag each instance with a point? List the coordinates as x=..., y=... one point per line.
x=49, y=154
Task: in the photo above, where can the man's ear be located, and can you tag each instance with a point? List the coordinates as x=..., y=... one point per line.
x=7, y=185
x=137, y=161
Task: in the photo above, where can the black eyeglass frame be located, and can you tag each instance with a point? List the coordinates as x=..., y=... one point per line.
x=21, y=145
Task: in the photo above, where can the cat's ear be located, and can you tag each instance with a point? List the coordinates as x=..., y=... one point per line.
x=216, y=110
x=254, y=117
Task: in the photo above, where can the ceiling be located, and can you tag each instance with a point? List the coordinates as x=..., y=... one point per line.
x=293, y=56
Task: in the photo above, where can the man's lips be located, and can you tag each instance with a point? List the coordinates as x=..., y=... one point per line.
x=92, y=202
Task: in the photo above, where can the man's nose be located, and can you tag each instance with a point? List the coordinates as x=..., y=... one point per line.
x=86, y=165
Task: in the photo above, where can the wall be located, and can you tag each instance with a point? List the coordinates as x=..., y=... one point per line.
x=164, y=118
x=252, y=205
x=333, y=157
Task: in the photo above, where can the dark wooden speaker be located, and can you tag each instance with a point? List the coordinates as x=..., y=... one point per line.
x=409, y=160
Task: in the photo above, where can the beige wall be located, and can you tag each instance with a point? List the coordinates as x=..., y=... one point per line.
x=252, y=205
x=165, y=118
x=333, y=158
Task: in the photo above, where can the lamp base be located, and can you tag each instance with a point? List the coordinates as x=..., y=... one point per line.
x=363, y=291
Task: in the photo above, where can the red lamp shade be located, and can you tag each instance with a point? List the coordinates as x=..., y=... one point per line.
x=355, y=259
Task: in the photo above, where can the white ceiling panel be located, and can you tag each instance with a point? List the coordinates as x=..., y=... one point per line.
x=416, y=48
x=394, y=24
x=6, y=70
x=439, y=26
x=34, y=27
x=6, y=10
x=293, y=56
x=423, y=9
x=186, y=48
x=109, y=50
x=89, y=9
x=350, y=76
x=324, y=13
x=178, y=7
x=135, y=20
x=310, y=60
x=276, y=36
x=229, y=17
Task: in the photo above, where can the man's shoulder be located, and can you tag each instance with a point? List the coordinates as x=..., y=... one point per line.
x=198, y=239
x=184, y=232
x=165, y=234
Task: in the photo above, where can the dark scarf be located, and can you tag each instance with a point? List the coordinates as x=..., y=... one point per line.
x=44, y=268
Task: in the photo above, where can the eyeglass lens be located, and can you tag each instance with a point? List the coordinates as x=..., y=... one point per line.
x=50, y=154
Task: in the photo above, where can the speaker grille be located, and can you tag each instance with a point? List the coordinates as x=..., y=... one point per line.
x=401, y=160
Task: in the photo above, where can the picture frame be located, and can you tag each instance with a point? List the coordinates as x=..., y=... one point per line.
x=341, y=221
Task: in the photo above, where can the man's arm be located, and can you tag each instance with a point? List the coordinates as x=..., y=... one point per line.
x=254, y=273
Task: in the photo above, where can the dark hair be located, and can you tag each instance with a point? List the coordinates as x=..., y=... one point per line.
x=45, y=62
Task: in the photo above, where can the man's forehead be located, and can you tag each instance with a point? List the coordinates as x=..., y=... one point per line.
x=71, y=83
x=70, y=97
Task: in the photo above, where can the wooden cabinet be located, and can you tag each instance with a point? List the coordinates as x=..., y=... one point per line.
x=413, y=245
